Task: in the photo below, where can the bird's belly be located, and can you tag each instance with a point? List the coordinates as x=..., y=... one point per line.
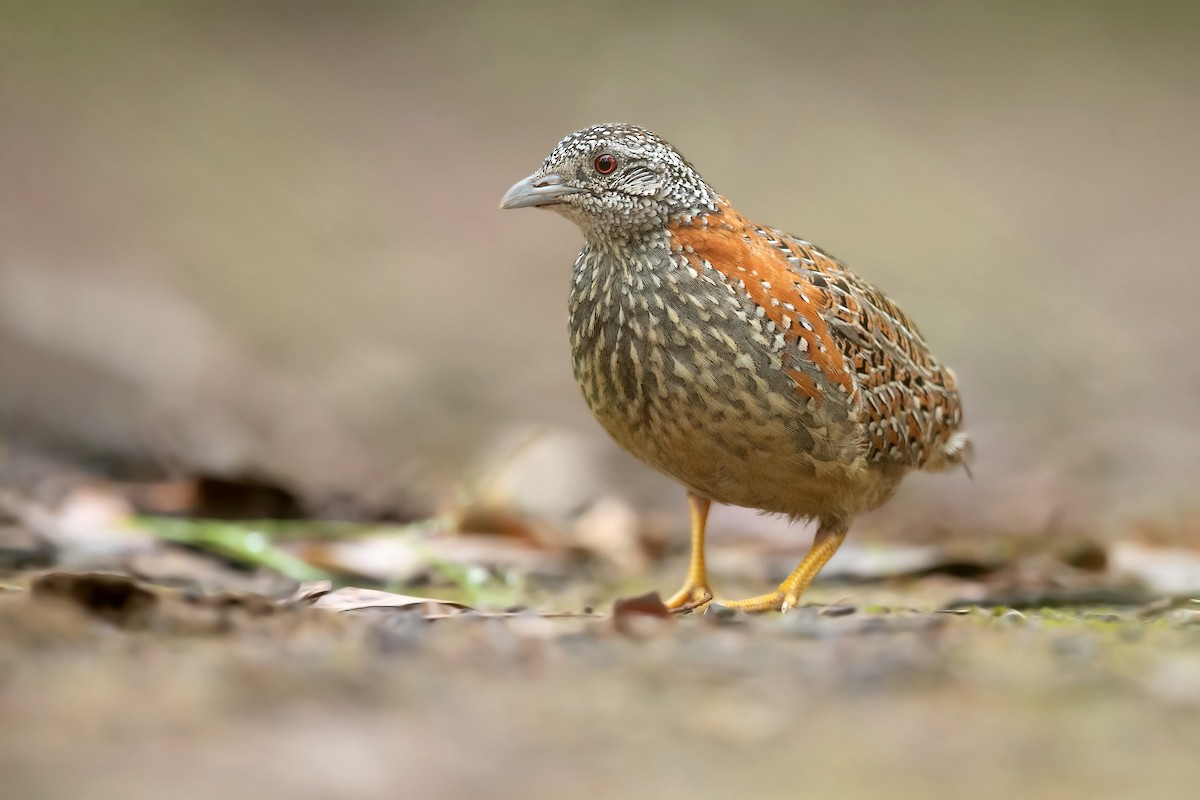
x=727, y=432
x=748, y=459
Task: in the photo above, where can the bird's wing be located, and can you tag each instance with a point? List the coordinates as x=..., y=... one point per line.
x=908, y=402
x=845, y=343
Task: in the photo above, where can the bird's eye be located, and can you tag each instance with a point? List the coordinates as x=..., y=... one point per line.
x=606, y=163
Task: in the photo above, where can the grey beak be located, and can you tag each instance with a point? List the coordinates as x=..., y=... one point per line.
x=537, y=190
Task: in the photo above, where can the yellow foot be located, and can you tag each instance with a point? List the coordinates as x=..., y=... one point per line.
x=689, y=598
x=775, y=601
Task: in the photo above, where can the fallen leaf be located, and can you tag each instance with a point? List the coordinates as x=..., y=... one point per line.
x=352, y=598
x=538, y=474
x=1165, y=570
x=638, y=616
x=210, y=497
x=114, y=598
x=310, y=590
x=88, y=523
x=404, y=556
x=610, y=530
x=1162, y=605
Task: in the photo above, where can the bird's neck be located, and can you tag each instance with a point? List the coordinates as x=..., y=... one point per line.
x=634, y=246
x=607, y=267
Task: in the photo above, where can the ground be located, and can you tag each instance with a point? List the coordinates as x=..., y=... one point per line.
x=124, y=689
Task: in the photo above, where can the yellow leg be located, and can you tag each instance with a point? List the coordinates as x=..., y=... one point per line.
x=825, y=544
x=695, y=591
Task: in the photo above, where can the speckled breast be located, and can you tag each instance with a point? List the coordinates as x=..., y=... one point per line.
x=682, y=371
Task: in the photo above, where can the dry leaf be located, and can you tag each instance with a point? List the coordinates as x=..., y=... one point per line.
x=638, y=616
x=610, y=530
x=1164, y=570
x=89, y=523
x=115, y=598
x=310, y=590
x=403, y=558
x=351, y=599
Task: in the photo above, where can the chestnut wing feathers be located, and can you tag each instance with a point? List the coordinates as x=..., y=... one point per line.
x=908, y=402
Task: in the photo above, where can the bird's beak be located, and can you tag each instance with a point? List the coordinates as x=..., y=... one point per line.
x=537, y=190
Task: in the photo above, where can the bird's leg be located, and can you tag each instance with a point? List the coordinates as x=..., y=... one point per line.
x=825, y=544
x=695, y=591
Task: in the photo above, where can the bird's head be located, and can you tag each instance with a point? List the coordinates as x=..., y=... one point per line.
x=616, y=182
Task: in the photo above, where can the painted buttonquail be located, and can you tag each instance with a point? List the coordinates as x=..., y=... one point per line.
x=747, y=364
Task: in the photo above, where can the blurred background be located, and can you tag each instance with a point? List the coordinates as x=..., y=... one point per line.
x=261, y=240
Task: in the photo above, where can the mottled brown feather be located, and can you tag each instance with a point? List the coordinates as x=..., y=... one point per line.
x=860, y=342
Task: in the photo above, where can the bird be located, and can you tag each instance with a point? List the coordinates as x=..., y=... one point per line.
x=747, y=364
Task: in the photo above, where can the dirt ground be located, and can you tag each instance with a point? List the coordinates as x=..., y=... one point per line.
x=141, y=692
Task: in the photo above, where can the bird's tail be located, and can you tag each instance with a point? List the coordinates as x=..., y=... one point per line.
x=958, y=450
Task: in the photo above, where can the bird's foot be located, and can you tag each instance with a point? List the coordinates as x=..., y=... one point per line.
x=689, y=598
x=778, y=600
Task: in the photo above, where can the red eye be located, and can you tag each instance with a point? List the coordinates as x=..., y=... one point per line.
x=606, y=163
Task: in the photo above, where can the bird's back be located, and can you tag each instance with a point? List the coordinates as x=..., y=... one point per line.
x=850, y=342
